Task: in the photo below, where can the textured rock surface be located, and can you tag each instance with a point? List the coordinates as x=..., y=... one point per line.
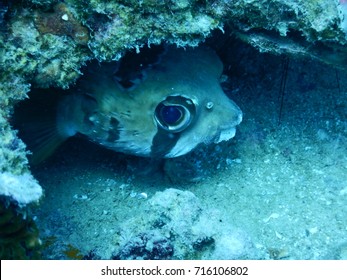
x=176, y=226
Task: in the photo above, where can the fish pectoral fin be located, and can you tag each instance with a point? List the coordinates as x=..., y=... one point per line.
x=44, y=143
x=36, y=122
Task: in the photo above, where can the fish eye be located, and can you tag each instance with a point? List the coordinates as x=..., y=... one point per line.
x=175, y=113
x=171, y=114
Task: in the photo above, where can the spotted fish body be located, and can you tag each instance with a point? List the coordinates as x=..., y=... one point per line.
x=176, y=106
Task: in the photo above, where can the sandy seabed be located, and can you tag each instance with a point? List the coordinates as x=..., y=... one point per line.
x=279, y=188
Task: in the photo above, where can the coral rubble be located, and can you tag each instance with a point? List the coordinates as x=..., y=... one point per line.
x=19, y=236
x=175, y=227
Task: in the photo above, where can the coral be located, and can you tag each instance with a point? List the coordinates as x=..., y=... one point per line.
x=23, y=188
x=176, y=226
x=147, y=246
x=41, y=59
x=62, y=23
x=73, y=253
x=130, y=24
x=12, y=149
x=164, y=231
x=120, y=25
x=232, y=244
x=19, y=236
x=49, y=47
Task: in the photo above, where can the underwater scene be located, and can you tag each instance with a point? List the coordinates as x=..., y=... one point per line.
x=222, y=138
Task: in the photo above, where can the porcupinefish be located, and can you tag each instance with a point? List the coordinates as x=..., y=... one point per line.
x=176, y=104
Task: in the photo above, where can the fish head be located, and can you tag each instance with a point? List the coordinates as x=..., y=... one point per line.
x=185, y=120
x=177, y=106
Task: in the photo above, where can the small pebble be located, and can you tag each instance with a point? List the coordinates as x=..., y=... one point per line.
x=272, y=216
x=142, y=195
x=65, y=17
x=313, y=230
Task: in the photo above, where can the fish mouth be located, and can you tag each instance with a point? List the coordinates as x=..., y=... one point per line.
x=225, y=134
